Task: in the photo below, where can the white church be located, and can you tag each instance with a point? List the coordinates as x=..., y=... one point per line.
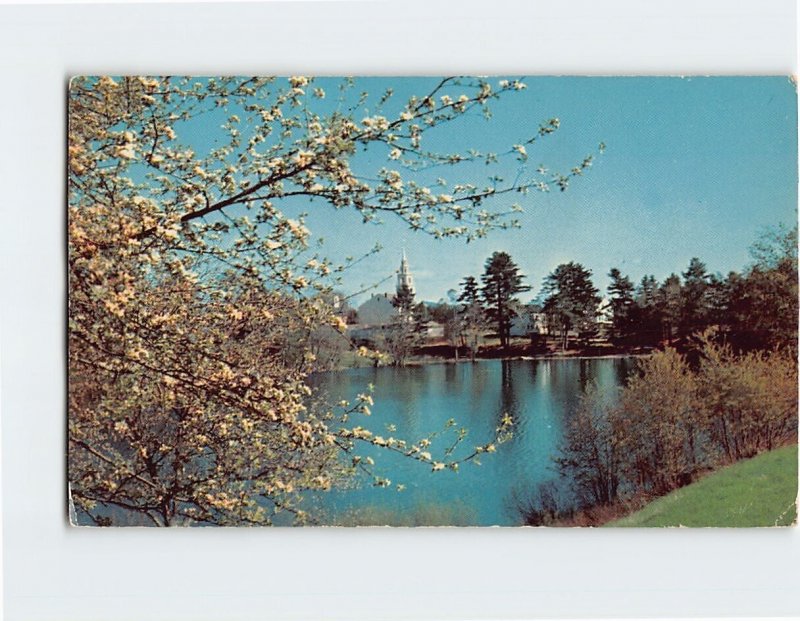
x=378, y=312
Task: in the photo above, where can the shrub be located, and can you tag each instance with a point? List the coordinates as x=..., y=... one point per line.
x=591, y=456
x=657, y=425
x=749, y=402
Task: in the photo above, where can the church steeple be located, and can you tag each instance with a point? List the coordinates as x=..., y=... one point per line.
x=404, y=279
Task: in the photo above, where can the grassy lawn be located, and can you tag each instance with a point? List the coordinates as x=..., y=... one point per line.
x=757, y=492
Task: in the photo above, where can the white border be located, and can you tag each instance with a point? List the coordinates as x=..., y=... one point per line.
x=56, y=572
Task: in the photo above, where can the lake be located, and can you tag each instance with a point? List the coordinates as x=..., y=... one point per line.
x=413, y=402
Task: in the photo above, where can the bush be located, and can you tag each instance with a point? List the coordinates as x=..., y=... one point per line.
x=658, y=426
x=591, y=455
x=671, y=423
x=749, y=402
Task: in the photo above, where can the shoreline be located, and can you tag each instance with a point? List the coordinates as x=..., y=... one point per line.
x=420, y=362
x=535, y=357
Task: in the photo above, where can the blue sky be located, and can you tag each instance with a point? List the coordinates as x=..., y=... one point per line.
x=692, y=167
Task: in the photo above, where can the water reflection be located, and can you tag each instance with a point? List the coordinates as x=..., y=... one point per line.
x=540, y=397
x=508, y=395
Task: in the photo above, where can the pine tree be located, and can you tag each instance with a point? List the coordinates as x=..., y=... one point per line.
x=694, y=303
x=470, y=292
x=471, y=316
x=647, y=312
x=402, y=336
x=622, y=305
x=501, y=283
x=670, y=303
x=572, y=299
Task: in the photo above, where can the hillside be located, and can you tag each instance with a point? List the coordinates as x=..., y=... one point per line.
x=757, y=492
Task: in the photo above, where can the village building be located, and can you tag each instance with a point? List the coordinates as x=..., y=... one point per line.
x=377, y=311
x=376, y=314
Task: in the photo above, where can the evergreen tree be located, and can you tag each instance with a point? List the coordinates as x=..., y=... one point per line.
x=402, y=336
x=572, y=299
x=420, y=318
x=718, y=298
x=647, y=312
x=694, y=303
x=471, y=317
x=470, y=291
x=501, y=283
x=670, y=303
x=622, y=305
x=404, y=300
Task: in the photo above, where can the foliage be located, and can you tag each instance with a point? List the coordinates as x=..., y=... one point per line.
x=442, y=312
x=765, y=310
x=188, y=277
x=657, y=425
x=591, y=457
x=647, y=312
x=749, y=402
x=572, y=299
x=622, y=305
x=470, y=292
x=694, y=305
x=671, y=423
x=329, y=348
x=501, y=283
x=543, y=508
x=447, y=315
x=472, y=318
x=408, y=327
x=753, y=310
x=404, y=301
x=671, y=308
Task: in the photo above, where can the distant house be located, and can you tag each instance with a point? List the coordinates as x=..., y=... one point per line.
x=364, y=335
x=435, y=330
x=528, y=323
x=377, y=311
x=605, y=317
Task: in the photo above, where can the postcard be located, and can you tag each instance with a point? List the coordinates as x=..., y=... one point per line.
x=432, y=301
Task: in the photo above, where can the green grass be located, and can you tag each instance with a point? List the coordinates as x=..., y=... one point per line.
x=757, y=492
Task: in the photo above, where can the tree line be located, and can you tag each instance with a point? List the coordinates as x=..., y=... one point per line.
x=752, y=309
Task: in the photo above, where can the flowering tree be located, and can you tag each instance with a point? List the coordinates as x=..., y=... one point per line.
x=187, y=281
